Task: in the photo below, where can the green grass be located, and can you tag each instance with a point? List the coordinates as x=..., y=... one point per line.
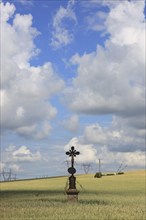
x=110, y=197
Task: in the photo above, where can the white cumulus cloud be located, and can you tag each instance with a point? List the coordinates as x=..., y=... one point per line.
x=87, y=152
x=110, y=80
x=14, y=154
x=25, y=90
x=24, y=154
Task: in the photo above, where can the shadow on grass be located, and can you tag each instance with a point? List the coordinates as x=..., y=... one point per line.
x=48, y=197
x=9, y=193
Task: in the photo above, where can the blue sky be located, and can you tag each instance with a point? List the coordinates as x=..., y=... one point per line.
x=72, y=73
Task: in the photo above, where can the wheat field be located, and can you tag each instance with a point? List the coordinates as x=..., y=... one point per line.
x=110, y=197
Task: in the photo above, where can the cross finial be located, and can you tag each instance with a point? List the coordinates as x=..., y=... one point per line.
x=72, y=152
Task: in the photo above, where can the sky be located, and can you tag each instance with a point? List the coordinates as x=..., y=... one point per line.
x=72, y=74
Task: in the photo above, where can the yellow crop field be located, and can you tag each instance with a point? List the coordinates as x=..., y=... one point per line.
x=110, y=197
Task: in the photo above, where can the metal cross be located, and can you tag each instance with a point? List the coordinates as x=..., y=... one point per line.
x=72, y=153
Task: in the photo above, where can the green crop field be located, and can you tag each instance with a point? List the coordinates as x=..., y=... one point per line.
x=109, y=197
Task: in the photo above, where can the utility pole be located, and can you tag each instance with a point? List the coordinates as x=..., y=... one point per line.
x=99, y=165
x=10, y=174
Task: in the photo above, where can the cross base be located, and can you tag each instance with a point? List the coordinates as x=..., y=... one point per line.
x=72, y=195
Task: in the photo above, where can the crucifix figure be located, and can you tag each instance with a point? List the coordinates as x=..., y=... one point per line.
x=72, y=191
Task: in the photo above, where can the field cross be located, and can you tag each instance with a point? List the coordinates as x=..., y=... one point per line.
x=72, y=192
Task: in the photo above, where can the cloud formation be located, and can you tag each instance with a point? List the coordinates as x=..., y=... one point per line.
x=96, y=21
x=26, y=2
x=117, y=138
x=13, y=154
x=119, y=67
x=62, y=36
x=26, y=90
x=24, y=154
x=91, y=153
x=71, y=124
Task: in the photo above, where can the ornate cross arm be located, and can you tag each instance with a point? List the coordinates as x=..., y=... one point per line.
x=72, y=152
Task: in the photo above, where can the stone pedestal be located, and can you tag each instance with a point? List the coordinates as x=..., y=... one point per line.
x=72, y=195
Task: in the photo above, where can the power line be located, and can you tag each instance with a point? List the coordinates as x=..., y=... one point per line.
x=86, y=167
x=8, y=175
